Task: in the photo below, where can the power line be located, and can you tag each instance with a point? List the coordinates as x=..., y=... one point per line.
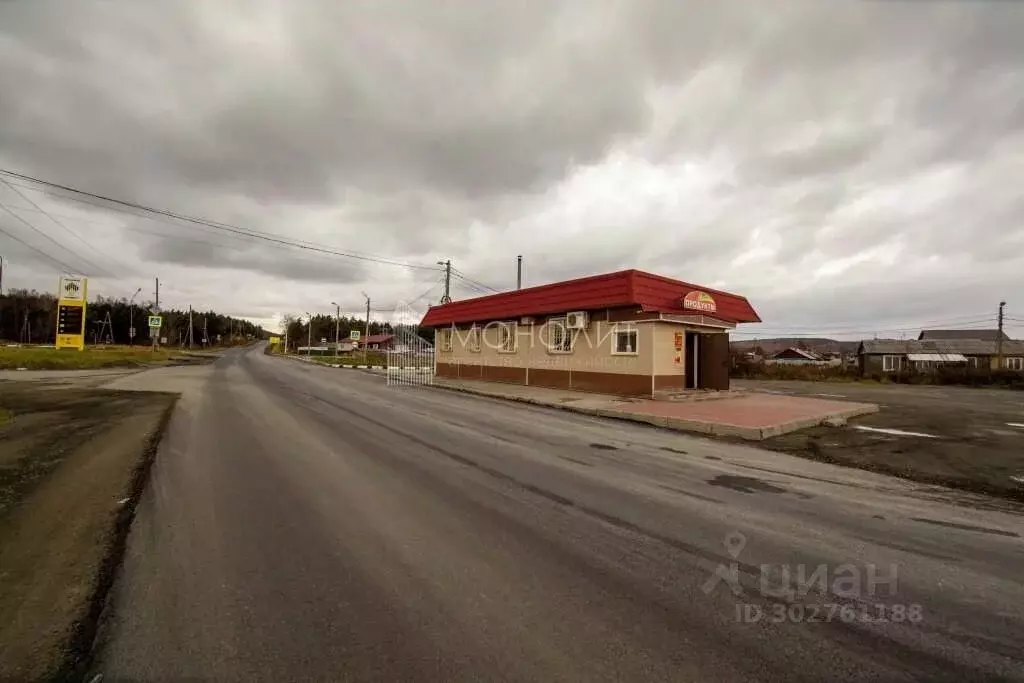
x=59, y=224
x=460, y=274
x=42, y=253
x=856, y=327
x=59, y=245
x=254, y=234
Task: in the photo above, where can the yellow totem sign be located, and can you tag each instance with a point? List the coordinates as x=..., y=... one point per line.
x=71, y=293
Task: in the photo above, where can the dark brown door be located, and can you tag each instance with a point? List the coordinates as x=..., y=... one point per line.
x=690, y=362
x=713, y=360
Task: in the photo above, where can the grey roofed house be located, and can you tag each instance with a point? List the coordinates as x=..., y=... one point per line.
x=896, y=355
x=966, y=347
x=981, y=335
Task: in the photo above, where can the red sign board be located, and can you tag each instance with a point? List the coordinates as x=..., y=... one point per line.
x=700, y=301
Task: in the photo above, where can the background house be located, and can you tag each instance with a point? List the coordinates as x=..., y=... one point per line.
x=378, y=342
x=945, y=335
x=795, y=356
x=882, y=356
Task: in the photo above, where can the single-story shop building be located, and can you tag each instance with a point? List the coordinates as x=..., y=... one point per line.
x=629, y=332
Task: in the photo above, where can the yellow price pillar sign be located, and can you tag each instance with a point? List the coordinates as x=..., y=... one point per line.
x=71, y=293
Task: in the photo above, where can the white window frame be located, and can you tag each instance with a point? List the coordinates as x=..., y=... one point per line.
x=446, y=340
x=566, y=340
x=890, y=362
x=511, y=344
x=973, y=362
x=1014, y=363
x=624, y=330
x=474, y=339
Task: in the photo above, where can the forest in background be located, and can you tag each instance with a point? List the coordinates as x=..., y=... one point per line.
x=30, y=317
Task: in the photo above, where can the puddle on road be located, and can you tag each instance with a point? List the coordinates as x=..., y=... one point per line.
x=893, y=432
x=674, y=450
x=604, y=447
x=745, y=484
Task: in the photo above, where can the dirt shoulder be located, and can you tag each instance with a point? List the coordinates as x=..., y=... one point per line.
x=960, y=437
x=72, y=464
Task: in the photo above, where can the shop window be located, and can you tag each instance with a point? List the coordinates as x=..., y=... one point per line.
x=625, y=342
x=1016, y=363
x=507, y=337
x=559, y=337
x=890, y=363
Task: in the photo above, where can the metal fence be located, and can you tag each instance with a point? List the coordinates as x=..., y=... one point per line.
x=411, y=358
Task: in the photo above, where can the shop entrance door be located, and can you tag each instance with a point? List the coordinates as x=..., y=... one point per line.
x=691, y=364
x=713, y=361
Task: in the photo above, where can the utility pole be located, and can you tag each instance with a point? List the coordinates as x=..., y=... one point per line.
x=309, y=338
x=999, y=338
x=190, y=328
x=447, y=298
x=107, y=326
x=156, y=339
x=206, y=337
x=337, y=324
x=367, y=338
x=519, y=272
x=131, y=317
x=1, y=294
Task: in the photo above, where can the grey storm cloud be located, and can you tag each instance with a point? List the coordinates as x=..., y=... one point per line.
x=289, y=265
x=803, y=153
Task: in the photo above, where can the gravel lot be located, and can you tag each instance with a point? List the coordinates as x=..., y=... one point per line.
x=971, y=439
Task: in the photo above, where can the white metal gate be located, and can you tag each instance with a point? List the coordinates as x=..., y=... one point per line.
x=411, y=358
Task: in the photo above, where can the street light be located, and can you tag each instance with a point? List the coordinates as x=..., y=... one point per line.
x=131, y=317
x=309, y=339
x=337, y=323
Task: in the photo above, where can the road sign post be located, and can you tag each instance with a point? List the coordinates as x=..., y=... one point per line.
x=155, y=323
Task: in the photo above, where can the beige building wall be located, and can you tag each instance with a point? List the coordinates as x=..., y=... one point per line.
x=592, y=349
x=664, y=354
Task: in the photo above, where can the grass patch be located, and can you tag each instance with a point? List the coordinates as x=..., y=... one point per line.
x=93, y=357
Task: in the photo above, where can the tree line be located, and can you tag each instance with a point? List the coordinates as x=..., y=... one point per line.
x=322, y=327
x=30, y=317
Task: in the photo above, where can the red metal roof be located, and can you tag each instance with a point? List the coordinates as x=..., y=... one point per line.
x=378, y=338
x=613, y=290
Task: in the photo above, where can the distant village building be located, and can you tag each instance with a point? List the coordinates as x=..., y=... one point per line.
x=945, y=335
x=379, y=342
x=795, y=356
x=882, y=356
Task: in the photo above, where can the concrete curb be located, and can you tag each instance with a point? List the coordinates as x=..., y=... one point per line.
x=678, y=424
x=303, y=359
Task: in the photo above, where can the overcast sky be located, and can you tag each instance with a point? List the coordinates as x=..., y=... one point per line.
x=850, y=167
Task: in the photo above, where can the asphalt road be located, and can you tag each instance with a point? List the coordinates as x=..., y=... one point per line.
x=304, y=523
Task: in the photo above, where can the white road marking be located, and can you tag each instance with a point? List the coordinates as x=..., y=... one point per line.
x=1015, y=424
x=894, y=432
x=1019, y=480
x=831, y=395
